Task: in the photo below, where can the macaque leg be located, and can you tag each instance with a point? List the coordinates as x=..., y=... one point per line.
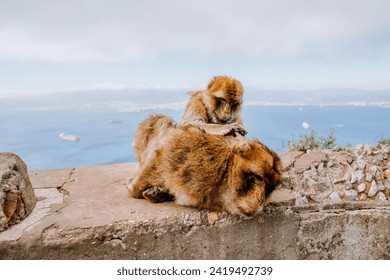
x=146, y=178
x=155, y=195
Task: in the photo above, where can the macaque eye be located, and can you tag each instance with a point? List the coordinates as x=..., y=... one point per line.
x=248, y=181
x=234, y=106
x=220, y=101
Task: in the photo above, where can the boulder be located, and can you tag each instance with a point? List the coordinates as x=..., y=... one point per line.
x=17, y=197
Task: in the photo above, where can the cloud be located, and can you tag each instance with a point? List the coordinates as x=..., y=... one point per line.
x=111, y=31
x=5, y=93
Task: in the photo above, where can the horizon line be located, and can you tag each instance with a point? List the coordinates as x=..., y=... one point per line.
x=101, y=87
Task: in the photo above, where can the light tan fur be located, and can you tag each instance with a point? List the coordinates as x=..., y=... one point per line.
x=216, y=110
x=202, y=170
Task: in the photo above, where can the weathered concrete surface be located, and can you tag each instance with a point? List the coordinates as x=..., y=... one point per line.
x=85, y=213
x=17, y=198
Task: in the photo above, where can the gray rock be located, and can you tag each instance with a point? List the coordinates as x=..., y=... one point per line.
x=358, y=150
x=17, y=197
x=368, y=177
x=385, y=149
x=321, y=196
x=311, y=173
x=373, y=189
x=289, y=158
x=381, y=197
x=361, y=162
x=305, y=161
x=357, y=175
x=321, y=168
x=373, y=169
x=361, y=187
x=354, y=178
x=363, y=196
x=334, y=197
x=301, y=200
x=350, y=195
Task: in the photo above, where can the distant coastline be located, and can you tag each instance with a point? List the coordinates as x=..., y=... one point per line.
x=136, y=100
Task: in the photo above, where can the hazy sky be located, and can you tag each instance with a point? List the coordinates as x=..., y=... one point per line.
x=274, y=44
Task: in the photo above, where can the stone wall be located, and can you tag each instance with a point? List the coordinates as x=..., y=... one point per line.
x=339, y=175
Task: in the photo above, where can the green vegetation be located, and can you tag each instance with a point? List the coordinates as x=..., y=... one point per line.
x=313, y=140
x=384, y=141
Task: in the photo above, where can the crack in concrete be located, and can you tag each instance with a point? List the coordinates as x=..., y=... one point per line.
x=69, y=180
x=42, y=209
x=59, y=185
x=36, y=222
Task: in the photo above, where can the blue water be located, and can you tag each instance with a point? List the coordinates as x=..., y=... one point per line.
x=105, y=137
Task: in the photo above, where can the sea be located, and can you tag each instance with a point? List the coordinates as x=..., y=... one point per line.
x=104, y=136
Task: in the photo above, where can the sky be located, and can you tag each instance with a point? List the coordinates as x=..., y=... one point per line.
x=59, y=45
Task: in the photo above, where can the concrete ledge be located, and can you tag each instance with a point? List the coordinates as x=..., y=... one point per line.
x=85, y=213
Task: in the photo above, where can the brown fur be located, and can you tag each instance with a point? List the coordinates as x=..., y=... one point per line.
x=149, y=134
x=202, y=170
x=216, y=110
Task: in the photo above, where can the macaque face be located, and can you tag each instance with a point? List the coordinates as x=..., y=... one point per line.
x=224, y=100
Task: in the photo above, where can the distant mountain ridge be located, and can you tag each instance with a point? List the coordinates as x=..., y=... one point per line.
x=340, y=97
x=140, y=99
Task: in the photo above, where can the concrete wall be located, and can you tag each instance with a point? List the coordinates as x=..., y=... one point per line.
x=85, y=213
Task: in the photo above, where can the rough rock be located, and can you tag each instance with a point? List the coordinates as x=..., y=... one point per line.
x=334, y=197
x=350, y=195
x=306, y=160
x=361, y=187
x=362, y=197
x=373, y=189
x=288, y=159
x=381, y=197
x=361, y=162
x=17, y=197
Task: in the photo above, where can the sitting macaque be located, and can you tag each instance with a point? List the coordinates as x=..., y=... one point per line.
x=216, y=110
